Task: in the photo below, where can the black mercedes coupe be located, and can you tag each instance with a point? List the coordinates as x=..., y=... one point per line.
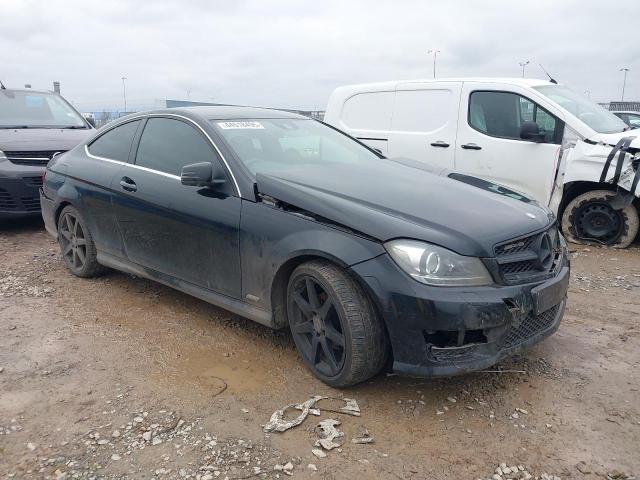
x=292, y=223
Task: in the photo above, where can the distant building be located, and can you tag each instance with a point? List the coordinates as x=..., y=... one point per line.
x=622, y=106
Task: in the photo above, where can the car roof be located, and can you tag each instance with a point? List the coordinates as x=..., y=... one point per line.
x=227, y=112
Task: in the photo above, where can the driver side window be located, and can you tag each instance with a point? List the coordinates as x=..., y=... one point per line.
x=501, y=114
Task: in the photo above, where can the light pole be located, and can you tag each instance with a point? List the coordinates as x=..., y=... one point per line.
x=624, y=82
x=435, y=52
x=124, y=94
x=523, y=64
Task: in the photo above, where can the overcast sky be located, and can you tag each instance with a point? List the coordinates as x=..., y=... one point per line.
x=291, y=54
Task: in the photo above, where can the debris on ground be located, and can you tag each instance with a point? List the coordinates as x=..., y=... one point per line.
x=318, y=453
x=362, y=437
x=277, y=423
x=328, y=432
x=350, y=406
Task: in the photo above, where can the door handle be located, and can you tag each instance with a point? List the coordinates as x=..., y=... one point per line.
x=471, y=146
x=440, y=143
x=127, y=184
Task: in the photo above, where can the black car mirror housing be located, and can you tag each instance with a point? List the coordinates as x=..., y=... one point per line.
x=204, y=174
x=531, y=131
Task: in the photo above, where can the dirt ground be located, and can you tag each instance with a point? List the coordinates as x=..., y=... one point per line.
x=118, y=377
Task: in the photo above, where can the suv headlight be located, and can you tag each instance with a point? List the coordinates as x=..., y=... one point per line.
x=3, y=157
x=435, y=265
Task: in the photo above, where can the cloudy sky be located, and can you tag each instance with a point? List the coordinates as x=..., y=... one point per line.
x=292, y=53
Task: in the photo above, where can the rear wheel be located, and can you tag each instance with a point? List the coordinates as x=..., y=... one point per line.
x=76, y=244
x=334, y=325
x=590, y=218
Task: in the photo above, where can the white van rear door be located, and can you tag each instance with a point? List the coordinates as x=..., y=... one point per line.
x=423, y=125
x=489, y=144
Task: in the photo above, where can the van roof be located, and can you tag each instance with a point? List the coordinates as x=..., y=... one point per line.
x=523, y=82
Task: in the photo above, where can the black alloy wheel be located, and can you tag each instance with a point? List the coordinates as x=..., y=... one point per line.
x=72, y=241
x=317, y=327
x=334, y=324
x=76, y=244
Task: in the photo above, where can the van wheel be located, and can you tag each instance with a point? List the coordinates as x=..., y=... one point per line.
x=590, y=218
x=335, y=327
x=76, y=244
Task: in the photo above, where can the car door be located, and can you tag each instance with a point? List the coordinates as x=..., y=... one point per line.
x=489, y=144
x=94, y=174
x=190, y=233
x=424, y=121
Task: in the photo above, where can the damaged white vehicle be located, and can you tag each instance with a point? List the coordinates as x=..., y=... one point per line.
x=536, y=137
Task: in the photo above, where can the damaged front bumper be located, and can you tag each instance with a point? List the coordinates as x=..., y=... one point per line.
x=436, y=331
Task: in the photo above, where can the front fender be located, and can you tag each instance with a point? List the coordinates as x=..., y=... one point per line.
x=587, y=162
x=271, y=239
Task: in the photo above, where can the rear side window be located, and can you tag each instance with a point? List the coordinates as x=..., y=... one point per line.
x=501, y=114
x=368, y=111
x=116, y=143
x=167, y=145
x=421, y=110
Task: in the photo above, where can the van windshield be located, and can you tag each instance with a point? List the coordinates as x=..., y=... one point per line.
x=23, y=109
x=596, y=117
x=268, y=145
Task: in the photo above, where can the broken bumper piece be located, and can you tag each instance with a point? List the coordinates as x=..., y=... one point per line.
x=437, y=331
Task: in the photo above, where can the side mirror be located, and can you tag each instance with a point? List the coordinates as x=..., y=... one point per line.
x=531, y=131
x=205, y=174
x=91, y=121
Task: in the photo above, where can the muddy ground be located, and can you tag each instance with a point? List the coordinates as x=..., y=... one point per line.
x=118, y=377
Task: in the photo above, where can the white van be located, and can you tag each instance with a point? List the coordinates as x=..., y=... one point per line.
x=537, y=137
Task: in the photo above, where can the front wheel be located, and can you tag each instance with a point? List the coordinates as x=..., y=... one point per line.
x=590, y=218
x=335, y=327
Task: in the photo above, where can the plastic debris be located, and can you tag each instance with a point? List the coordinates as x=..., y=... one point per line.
x=362, y=437
x=350, y=406
x=277, y=423
x=328, y=432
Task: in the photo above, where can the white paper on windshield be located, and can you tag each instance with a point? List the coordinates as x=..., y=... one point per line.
x=240, y=125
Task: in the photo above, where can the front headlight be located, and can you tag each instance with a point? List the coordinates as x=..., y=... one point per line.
x=435, y=265
x=3, y=157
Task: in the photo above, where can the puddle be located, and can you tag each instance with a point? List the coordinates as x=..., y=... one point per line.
x=208, y=370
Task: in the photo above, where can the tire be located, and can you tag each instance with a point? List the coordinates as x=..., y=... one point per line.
x=76, y=244
x=340, y=308
x=589, y=218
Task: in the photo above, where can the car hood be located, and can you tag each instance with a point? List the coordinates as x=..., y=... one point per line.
x=613, y=138
x=389, y=200
x=34, y=139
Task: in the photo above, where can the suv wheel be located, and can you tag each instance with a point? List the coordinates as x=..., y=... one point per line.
x=590, y=218
x=334, y=325
x=76, y=244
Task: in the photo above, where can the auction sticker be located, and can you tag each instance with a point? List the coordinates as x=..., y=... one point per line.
x=240, y=125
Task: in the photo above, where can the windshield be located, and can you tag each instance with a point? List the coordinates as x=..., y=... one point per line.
x=276, y=145
x=599, y=119
x=20, y=109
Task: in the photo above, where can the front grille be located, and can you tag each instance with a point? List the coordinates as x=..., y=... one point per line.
x=6, y=200
x=530, y=326
x=33, y=158
x=30, y=204
x=33, y=181
x=529, y=258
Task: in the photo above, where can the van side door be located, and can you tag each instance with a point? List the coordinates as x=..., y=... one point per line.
x=424, y=122
x=490, y=144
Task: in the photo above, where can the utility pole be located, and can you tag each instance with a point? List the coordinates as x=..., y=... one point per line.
x=624, y=82
x=435, y=52
x=124, y=94
x=523, y=64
